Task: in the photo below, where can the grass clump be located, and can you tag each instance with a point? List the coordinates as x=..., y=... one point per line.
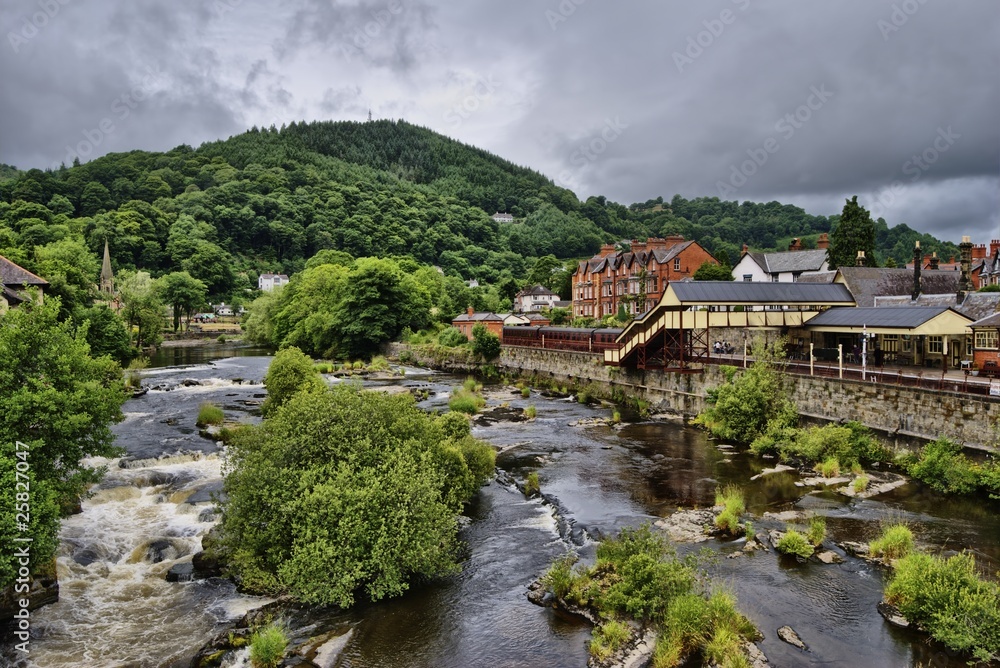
x=895, y=542
x=525, y=392
x=532, y=486
x=817, y=530
x=948, y=598
x=209, y=413
x=616, y=416
x=608, y=638
x=829, y=468
x=378, y=363
x=467, y=399
x=733, y=505
x=530, y=412
x=267, y=647
x=794, y=544
x=860, y=484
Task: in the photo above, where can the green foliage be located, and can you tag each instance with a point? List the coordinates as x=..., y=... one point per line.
x=608, y=638
x=829, y=467
x=485, y=343
x=733, y=505
x=817, y=530
x=710, y=271
x=530, y=412
x=60, y=403
x=753, y=403
x=344, y=490
x=559, y=579
x=848, y=445
x=895, y=542
x=854, y=232
x=525, y=392
x=378, y=363
x=795, y=544
x=949, y=599
x=466, y=401
x=41, y=508
x=182, y=292
x=209, y=413
x=267, y=647
x=860, y=484
x=532, y=486
x=942, y=466
x=290, y=372
x=106, y=333
x=452, y=337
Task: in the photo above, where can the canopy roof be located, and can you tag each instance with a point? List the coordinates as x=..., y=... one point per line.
x=913, y=320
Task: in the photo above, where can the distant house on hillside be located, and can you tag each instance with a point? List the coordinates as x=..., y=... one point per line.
x=782, y=267
x=268, y=282
x=14, y=280
x=534, y=299
x=503, y=217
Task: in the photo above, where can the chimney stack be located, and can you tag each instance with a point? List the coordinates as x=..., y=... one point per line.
x=823, y=242
x=965, y=281
x=860, y=261
x=934, y=261
x=796, y=244
x=746, y=249
x=470, y=311
x=916, y=271
x=607, y=249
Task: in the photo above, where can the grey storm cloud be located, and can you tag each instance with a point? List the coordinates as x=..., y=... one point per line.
x=804, y=102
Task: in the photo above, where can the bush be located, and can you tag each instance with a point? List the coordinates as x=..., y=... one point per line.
x=734, y=505
x=941, y=465
x=222, y=338
x=290, y=372
x=795, y=544
x=485, y=343
x=949, y=599
x=829, y=468
x=530, y=412
x=850, y=445
x=209, y=413
x=817, y=530
x=895, y=542
x=467, y=402
x=452, y=338
x=525, y=392
x=267, y=647
x=559, y=578
x=378, y=484
x=860, y=484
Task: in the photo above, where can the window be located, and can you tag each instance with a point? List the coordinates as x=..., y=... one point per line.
x=986, y=339
x=935, y=344
x=890, y=343
x=677, y=264
x=748, y=278
x=774, y=278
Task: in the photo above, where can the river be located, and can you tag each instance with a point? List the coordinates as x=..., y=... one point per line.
x=116, y=610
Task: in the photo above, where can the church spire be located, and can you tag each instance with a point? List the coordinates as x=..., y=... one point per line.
x=107, y=276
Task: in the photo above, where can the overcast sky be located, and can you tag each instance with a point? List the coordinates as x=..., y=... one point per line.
x=807, y=102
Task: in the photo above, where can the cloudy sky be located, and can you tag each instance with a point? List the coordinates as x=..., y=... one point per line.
x=803, y=101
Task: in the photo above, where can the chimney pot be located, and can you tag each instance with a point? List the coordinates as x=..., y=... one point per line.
x=470, y=310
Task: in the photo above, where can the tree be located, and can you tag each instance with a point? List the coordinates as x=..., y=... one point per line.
x=141, y=307
x=345, y=490
x=71, y=270
x=106, y=333
x=59, y=402
x=855, y=232
x=182, y=292
x=291, y=372
x=485, y=342
x=710, y=271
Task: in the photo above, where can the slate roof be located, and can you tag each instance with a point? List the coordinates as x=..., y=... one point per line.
x=988, y=321
x=536, y=290
x=15, y=276
x=903, y=317
x=478, y=317
x=817, y=277
x=737, y=292
x=866, y=283
x=790, y=261
x=976, y=305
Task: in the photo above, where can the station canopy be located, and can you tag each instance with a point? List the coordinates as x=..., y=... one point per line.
x=912, y=320
x=734, y=293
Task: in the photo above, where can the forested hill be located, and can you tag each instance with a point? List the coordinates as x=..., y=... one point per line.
x=267, y=200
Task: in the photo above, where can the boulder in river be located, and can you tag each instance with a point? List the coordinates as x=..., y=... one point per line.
x=893, y=615
x=788, y=634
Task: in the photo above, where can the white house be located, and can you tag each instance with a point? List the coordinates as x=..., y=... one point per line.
x=268, y=282
x=223, y=309
x=784, y=267
x=534, y=299
x=503, y=217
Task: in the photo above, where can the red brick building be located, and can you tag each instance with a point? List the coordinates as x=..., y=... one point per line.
x=636, y=279
x=466, y=322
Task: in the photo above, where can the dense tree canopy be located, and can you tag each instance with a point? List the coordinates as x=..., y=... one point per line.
x=854, y=233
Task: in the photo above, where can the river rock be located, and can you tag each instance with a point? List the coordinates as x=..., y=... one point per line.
x=788, y=634
x=780, y=468
x=856, y=549
x=500, y=414
x=893, y=615
x=688, y=526
x=182, y=572
x=830, y=557
x=206, y=565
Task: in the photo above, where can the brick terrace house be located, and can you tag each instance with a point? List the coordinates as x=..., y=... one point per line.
x=466, y=322
x=612, y=278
